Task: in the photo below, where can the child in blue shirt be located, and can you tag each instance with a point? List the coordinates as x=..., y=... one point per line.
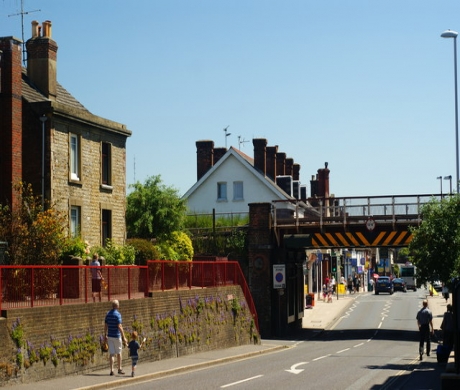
x=134, y=347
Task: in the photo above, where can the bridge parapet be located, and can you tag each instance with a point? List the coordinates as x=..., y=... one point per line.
x=387, y=209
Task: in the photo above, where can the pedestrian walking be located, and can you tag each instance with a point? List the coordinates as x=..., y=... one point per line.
x=134, y=347
x=445, y=292
x=115, y=335
x=447, y=327
x=96, y=277
x=350, y=284
x=425, y=322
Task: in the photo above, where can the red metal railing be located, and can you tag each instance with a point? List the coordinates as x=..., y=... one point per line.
x=32, y=286
x=175, y=275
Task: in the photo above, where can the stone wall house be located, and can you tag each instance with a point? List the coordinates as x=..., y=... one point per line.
x=73, y=158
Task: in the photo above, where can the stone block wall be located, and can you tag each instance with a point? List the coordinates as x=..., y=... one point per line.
x=89, y=193
x=175, y=323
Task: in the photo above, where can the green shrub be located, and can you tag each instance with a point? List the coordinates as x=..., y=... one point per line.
x=116, y=254
x=145, y=250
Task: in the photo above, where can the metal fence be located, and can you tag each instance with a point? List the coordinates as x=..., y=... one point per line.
x=33, y=286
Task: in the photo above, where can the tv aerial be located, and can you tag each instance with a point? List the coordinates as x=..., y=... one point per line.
x=241, y=141
x=22, y=13
x=226, y=135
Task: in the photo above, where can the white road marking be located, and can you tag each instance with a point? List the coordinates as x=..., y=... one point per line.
x=343, y=350
x=295, y=370
x=241, y=381
x=358, y=345
x=321, y=357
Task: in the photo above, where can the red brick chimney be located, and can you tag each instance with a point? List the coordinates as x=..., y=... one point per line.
x=323, y=181
x=218, y=153
x=204, y=157
x=41, y=59
x=271, y=161
x=10, y=117
x=296, y=171
x=280, y=164
x=260, y=154
x=288, y=167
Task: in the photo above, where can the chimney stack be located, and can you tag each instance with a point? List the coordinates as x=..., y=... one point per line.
x=41, y=59
x=10, y=117
x=280, y=164
x=260, y=154
x=271, y=161
x=288, y=168
x=296, y=171
x=204, y=157
x=218, y=154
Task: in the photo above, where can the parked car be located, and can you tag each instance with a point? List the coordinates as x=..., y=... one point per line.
x=383, y=284
x=437, y=285
x=399, y=285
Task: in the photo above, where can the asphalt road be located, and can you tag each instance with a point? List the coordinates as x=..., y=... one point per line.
x=372, y=346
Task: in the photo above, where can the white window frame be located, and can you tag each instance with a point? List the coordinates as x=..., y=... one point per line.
x=238, y=190
x=75, y=157
x=222, y=191
x=75, y=221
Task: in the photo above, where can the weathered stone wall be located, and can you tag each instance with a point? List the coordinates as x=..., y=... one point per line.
x=89, y=193
x=175, y=323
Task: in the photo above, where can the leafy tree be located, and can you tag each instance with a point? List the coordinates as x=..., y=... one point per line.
x=435, y=247
x=34, y=235
x=154, y=210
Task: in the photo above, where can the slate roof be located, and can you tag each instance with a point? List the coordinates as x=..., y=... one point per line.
x=33, y=95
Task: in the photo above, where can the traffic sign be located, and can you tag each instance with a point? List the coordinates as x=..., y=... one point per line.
x=279, y=276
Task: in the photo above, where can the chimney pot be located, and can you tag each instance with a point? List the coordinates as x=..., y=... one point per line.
x=35, y=29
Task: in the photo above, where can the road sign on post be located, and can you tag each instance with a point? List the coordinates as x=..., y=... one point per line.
x=279, y=276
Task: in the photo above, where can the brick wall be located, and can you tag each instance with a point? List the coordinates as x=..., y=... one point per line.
x=205, y=321
x=10, y=117
x=260, y=261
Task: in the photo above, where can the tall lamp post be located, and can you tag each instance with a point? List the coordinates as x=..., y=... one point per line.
x=450, y=183
x=440, y=180
x=453, y=34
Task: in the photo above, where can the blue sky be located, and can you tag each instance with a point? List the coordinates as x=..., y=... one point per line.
x=367, y=86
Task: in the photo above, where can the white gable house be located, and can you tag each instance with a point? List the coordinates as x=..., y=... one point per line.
x=229, y=180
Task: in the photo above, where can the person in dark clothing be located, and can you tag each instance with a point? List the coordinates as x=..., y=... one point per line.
x=424, y=322
x=447, y=327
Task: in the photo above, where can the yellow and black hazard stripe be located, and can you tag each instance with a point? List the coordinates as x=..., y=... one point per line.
x=361, y=239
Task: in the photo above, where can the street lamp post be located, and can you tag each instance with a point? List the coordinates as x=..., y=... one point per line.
x=440, y=180
x=450, y=183
x=453, y=34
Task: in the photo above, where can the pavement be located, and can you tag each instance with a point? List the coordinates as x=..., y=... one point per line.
x=320, y=316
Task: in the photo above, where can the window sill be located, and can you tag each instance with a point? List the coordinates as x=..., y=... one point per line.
x=106, y=187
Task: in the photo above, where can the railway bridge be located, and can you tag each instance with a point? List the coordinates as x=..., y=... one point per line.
x=282, y=233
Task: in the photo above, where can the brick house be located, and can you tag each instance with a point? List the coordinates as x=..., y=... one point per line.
x=73, y=158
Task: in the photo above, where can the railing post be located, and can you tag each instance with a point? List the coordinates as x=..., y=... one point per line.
x=129, y=282
x=162, y=275
x=177, y=275
x=108, y=283
x=190, y=275
x=1, y=288
x=86, y=284
x=32, y=281
x=61, y=282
